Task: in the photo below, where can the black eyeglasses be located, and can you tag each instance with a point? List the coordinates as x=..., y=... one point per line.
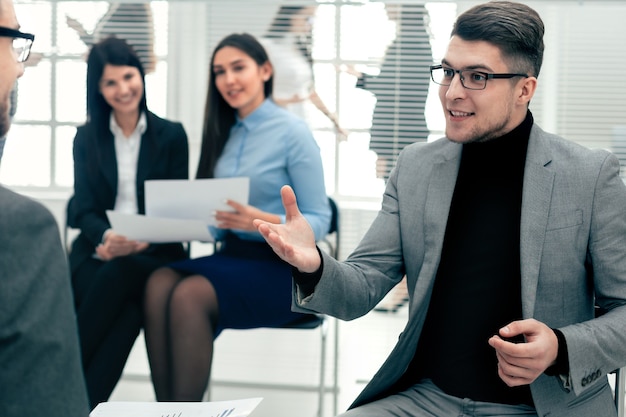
x=470, y=79
x=22, y=42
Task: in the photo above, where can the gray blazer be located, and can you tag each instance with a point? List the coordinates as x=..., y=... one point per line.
x=573, y=256
x=40, y=369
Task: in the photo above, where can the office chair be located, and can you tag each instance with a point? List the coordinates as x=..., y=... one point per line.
x=68, y=232
x=330, y=242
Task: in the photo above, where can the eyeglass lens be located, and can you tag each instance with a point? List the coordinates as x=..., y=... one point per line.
x=22, y=47
x=469, y=79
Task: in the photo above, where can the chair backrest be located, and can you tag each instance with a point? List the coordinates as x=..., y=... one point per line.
x=334, y=220
x=68, y=231
x=333, y=244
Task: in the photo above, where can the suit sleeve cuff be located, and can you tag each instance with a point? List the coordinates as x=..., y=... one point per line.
x=306, y=282
x=561, y=367
x=104, y=236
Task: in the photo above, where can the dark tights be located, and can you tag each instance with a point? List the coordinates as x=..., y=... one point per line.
x=109, y=314
x=181, y=314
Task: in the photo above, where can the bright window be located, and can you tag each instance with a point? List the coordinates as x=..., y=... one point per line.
x=581, y=95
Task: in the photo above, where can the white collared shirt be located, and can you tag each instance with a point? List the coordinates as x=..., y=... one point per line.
x=127, y=154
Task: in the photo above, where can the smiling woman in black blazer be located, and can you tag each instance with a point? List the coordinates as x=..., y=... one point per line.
x=122, y=145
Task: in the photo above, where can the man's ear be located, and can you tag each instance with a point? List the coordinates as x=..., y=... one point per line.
x=527, y=90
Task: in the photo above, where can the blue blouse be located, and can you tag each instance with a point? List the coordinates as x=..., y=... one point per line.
x=273, y=147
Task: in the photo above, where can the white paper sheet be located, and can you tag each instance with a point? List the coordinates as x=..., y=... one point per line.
x=194, y=199
x=235, y=408
x=157, y=229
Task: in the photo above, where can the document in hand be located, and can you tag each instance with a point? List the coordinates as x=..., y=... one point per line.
x=180, y=210
x=235, y=408
x=194, y=199
x=158, y=229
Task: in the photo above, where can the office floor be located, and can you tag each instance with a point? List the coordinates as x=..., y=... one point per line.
x=287, y=359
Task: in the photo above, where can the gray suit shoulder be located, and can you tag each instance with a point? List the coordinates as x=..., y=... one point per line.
x=38, y=335
x=568, y=149
x=13, y=203
x=441, y=145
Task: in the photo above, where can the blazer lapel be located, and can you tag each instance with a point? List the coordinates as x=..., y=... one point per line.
x=438, y=200
x=536, y=198
x=440, y=192
x=108, y=160
x=148, y=155
x=146, y=151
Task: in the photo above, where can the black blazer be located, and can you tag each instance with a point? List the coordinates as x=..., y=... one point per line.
x=164, y=154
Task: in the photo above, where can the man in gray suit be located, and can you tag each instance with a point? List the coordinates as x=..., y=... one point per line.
x=509, y=237
x=40, y=370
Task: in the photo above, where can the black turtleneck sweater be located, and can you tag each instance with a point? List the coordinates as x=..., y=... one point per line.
x=478, y=285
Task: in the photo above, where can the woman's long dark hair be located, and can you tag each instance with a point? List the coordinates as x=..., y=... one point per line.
x=219, y=116
x=109, y=51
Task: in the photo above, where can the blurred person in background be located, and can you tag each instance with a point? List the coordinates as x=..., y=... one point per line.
x=289, y=43
x=401, y=87
x=132, y=22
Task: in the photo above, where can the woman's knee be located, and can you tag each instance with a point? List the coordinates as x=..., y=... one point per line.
x=194, y=293
x=160, y=286
x=163, y=277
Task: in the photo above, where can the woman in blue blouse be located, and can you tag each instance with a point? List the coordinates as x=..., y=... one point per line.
x=244, y=284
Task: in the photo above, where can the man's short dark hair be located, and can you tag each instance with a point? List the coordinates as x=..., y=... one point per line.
x=513, y=27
